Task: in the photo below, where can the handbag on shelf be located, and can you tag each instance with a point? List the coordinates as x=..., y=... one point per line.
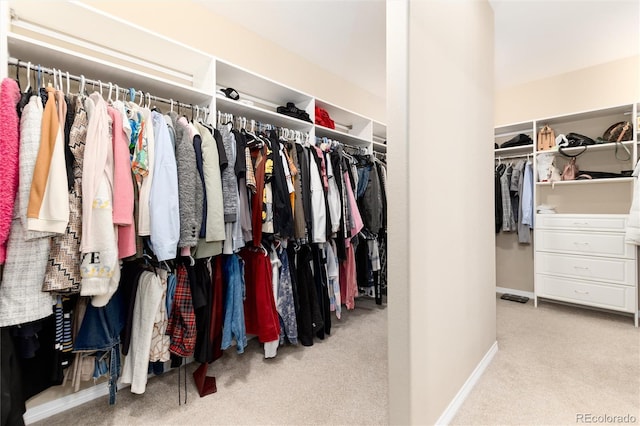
x=547, y=170
x=619, y=132
x=576, y=139
x=570, y=171
x=546, y=138
x=573, y=140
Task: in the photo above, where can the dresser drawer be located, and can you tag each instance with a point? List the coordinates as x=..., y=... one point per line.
x=582, y=222
x=608, y=270
x=586, y=243
x=586, y=293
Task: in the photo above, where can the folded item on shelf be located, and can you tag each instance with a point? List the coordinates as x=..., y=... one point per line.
x=546, y=209
x=518, y=140
x=292, y=111
x=323, y=118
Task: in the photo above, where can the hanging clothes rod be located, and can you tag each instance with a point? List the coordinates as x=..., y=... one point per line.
x=132, y=92
x=510, y=157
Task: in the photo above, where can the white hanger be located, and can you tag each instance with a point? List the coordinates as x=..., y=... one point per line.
x=141, y=97
x=60, y=77
x=28, y=77
x=110, y=92
x=100, y=85
x=171, y=103
x=82, y=84
x=117, y=93
x=68, y=84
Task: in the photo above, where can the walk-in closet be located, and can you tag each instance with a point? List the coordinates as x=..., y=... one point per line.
x=162, y=206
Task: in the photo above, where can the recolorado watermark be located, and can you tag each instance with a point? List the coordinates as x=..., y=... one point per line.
x=590, y=418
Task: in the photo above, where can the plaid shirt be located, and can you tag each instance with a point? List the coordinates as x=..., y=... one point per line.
x=182, y=322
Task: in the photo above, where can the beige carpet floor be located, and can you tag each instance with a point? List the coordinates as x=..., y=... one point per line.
x=555, y=363
x=341, y=380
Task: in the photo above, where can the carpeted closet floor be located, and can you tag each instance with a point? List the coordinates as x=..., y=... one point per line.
x=554, y=364
x=341, y=380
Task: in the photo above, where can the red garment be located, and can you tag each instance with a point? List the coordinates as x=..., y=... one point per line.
x=260, y=314
x=348, y=279
x=182, y=319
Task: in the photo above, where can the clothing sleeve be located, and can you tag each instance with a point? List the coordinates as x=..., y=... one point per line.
x=527, y=196
x=164, y=199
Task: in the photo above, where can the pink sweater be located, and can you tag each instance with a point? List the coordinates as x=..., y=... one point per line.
x=122, y=188
x=9, y=154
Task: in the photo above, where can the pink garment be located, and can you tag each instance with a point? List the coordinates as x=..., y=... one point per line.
x=123, y=197
x=348, y=279
x=355, y=213
x=323, y=169
x=9, y=160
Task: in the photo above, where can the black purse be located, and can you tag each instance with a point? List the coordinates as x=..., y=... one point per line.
x=575, y=140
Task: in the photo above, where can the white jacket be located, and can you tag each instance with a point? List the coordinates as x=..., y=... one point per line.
x=163, y=200
x=633, y=222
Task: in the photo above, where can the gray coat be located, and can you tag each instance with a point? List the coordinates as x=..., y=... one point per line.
x=190, y=191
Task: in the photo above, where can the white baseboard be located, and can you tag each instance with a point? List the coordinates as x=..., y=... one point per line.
x=503, y=290
x=67, y=402
x=468, y=386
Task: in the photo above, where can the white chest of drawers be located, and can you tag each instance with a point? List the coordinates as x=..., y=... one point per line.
x=583, y=259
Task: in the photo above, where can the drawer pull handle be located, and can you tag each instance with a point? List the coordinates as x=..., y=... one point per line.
x=583, y=268
x=578, y=243
x=581, y=223
x=581, y=292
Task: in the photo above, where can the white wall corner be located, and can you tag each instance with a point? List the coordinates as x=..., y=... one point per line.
x=455, y=404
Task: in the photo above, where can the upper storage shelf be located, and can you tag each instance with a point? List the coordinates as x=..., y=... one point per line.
x=589, y=123
x=113, y=39
x=266, y=94
x=52, y=56
x=503, y=134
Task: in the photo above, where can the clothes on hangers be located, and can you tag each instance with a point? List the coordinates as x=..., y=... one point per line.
x=144, y=189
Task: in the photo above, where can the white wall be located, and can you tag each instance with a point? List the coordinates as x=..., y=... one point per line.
x=196, y=26
x=609, y=84
x=441, y=254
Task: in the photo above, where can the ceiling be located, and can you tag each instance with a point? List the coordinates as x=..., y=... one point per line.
x=345, y=37
x=533, y=38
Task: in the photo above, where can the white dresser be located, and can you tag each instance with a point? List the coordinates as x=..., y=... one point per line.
x=583, y=259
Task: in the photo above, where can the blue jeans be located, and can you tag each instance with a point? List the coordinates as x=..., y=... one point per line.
x=233, y=273
x=100, y=331
x=363, y=180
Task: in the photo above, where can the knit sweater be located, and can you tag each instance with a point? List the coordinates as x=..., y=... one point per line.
x=189, y=186
x=9, y=150
x=100, y=269
x=229, y=181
